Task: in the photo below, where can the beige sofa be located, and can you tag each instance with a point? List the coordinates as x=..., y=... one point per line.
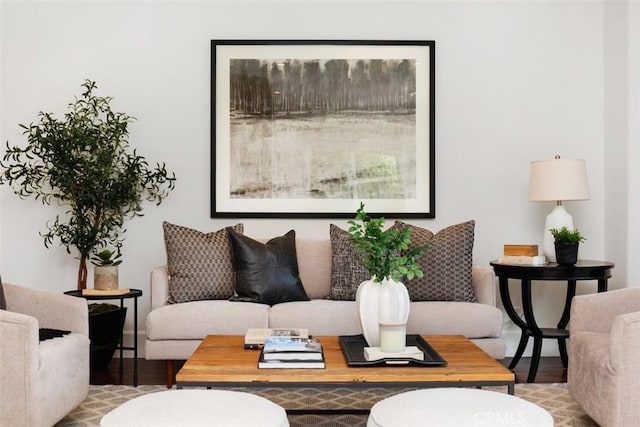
x=175, y=330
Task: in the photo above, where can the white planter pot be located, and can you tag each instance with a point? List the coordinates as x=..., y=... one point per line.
x=105, y=277
x=386, y=302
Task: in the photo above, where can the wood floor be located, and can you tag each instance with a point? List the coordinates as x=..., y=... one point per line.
x=151, y=372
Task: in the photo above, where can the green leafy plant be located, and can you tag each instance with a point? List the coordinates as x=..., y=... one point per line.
x=386, y=253
x=107, y=257
x=84, y=163
x=564, y=235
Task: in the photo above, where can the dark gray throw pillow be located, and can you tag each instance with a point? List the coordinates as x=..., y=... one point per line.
x=447, y=264
x=266, y=273
x=346, y=271
x=199, y=264
x=3, y=302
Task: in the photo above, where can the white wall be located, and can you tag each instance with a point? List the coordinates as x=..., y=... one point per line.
x=516, y=81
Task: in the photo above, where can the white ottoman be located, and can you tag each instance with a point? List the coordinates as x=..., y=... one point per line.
x=457, y=407
x=177, y=408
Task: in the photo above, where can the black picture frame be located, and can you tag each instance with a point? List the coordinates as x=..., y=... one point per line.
x=311, y=128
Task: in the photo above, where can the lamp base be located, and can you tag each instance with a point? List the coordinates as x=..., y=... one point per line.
x=557, y=218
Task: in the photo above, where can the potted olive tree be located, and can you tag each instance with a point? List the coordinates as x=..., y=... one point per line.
x=566, y=244
x=84, y=163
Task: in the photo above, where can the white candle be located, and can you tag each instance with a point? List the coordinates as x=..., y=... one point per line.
x=393, y=337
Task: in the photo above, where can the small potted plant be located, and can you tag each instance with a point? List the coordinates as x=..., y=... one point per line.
x=105, y=270
x=566, y=244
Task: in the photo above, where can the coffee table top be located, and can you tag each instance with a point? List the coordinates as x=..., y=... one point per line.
x=221, y=360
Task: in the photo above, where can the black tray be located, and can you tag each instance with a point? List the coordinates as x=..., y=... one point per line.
x=353, y=350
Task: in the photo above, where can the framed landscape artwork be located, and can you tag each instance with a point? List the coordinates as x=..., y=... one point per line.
x=309, y=129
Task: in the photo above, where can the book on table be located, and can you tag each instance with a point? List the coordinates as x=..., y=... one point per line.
x=105, y=292
x=292, y=353
x=255, y=337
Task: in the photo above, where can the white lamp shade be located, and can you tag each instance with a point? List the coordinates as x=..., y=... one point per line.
x=558, y=179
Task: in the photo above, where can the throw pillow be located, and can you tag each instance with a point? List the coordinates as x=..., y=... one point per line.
x=3, y=301
x=49, y=334
x=346, y=271
x=446, y=264
x=266, y=273
x=200, y=264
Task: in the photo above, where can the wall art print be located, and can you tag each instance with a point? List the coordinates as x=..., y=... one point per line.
x=309, y=129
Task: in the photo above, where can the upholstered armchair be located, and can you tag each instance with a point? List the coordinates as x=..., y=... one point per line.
x=40, y=382
x=604, y=356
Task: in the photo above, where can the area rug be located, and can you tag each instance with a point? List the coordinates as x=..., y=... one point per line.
x=553, y=397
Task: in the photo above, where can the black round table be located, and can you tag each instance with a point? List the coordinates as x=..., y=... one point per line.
x=135, y=294
x=582, y=270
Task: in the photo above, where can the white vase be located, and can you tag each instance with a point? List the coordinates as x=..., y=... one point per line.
x=386, y=302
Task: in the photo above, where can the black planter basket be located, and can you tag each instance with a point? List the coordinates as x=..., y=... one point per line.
x=105, y=331
x=566, y=252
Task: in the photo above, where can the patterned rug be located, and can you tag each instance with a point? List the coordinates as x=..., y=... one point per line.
x=553, y=397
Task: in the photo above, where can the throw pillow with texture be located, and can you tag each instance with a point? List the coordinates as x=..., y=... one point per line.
x=266, y=273
x=446, y=264
x=200, y=264
x=346, y=271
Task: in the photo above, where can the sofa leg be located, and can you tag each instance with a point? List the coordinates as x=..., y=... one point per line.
x=168, y=366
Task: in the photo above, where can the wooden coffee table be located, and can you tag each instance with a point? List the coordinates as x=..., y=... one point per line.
x=221, y=361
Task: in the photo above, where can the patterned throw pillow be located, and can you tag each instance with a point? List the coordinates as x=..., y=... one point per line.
x=346, y=271
x=266, y=273
x=447, y=264
x=200, y=264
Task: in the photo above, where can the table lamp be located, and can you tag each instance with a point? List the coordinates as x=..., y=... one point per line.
x=557, y=180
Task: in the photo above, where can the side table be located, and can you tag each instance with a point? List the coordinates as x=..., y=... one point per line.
x=582, y=270
x=135, y=294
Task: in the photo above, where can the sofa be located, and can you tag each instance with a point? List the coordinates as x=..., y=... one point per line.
x=45, y=371
x=174, y=330
x=604, y=370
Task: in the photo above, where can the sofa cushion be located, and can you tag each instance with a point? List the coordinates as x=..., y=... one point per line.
x=446, y=264
x=197, y=319
x=200, y=264
x=454, y=318
x=346, y=271
x=319, y=316
x=266, y=273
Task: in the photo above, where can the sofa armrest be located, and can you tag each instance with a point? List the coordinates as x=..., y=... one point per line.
x=159, y=286
x=56, y=311
x=624, y=350
x=483, y=280
x=596, y=312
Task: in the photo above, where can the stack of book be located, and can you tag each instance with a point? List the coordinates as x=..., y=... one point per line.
x=292, y=353
x=255, y=337
x=522, y=255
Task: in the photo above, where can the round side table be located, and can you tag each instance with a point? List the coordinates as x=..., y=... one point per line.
x=582, y=270
x=135, y=294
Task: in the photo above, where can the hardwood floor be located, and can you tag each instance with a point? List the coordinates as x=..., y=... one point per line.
x=151, y=372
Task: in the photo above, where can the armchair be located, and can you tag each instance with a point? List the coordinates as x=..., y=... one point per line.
x=604, y=367
x=41, y=381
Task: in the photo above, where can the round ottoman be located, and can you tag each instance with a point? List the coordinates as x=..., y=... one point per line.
x=457, y=407
x=197, y=408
